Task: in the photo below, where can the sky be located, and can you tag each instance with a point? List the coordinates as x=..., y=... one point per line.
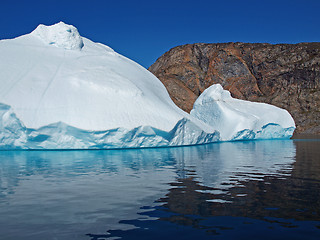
x=144, y=30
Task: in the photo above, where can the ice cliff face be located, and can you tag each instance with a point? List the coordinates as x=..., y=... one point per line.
x=13, y=133
x=239, y=119
x=62, y=91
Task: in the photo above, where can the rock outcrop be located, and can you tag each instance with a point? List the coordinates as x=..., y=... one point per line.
x=285, y=75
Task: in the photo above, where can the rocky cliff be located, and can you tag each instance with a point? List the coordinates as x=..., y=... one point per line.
x=285, y=75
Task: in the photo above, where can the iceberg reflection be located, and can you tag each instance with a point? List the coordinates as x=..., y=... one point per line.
x=68, y=194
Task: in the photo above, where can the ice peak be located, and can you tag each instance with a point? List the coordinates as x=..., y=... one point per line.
x=213, y=93
x=60, y=35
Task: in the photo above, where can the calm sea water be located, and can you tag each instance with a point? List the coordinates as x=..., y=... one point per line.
x=239, y=190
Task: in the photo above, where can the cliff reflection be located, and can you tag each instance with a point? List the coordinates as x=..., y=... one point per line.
x=271, y=180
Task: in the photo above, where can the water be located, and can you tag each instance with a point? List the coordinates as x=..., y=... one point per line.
x=239, y=190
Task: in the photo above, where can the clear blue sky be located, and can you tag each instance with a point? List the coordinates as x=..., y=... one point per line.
x=144, y=30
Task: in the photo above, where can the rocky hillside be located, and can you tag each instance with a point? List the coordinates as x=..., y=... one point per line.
x=285, y=75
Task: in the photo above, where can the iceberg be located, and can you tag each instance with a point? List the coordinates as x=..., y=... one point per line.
x=237, y=119
x=59, y=90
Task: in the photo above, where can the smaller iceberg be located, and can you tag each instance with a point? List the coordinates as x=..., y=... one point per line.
x=241, y=120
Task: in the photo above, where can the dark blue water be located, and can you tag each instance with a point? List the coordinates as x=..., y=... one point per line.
x=240, y=190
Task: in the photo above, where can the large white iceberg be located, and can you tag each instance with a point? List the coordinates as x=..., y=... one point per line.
x=59, y=90
x=62, y=91
x=237, y=119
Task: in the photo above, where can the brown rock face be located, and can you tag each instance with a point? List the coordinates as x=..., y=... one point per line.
x=285, y=75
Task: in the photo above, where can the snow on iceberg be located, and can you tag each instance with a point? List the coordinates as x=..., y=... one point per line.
x=240, y=120
x=63, y=91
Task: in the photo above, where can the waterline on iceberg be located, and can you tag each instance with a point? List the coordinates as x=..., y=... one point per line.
x=15, y=135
